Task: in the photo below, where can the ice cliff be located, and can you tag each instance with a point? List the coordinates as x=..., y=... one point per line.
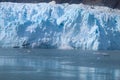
x=62, y=26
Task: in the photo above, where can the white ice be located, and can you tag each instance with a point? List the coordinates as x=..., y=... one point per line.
x=62, y=26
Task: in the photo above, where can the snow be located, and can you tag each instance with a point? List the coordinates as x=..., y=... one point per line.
x=60, y=26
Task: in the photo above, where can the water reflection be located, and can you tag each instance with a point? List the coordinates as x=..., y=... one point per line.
x=57, y=68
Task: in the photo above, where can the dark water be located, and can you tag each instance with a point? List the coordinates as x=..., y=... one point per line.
x=37, y=64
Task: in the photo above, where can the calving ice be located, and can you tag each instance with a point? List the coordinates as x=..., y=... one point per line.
x=62, y=26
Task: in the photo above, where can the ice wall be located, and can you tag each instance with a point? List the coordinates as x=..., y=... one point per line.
x=62, y=26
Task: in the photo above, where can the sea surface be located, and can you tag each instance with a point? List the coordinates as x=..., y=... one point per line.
x=50, y=64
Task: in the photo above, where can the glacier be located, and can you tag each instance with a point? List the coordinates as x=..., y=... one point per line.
x=59, y=26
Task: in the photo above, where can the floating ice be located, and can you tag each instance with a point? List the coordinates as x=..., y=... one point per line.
x=62, y=26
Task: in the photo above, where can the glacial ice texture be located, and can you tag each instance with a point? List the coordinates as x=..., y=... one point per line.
x=61, y=26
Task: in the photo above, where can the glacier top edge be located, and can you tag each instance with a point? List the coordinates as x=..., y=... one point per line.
x=92, y=8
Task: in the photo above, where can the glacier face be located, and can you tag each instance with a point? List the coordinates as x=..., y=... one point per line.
x=62, y=26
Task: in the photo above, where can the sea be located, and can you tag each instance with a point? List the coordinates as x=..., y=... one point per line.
x=55, y=64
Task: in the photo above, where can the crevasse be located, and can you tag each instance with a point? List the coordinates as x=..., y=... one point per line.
x=61, y=26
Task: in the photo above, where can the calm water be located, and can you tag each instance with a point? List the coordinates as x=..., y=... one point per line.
x=42, y=64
